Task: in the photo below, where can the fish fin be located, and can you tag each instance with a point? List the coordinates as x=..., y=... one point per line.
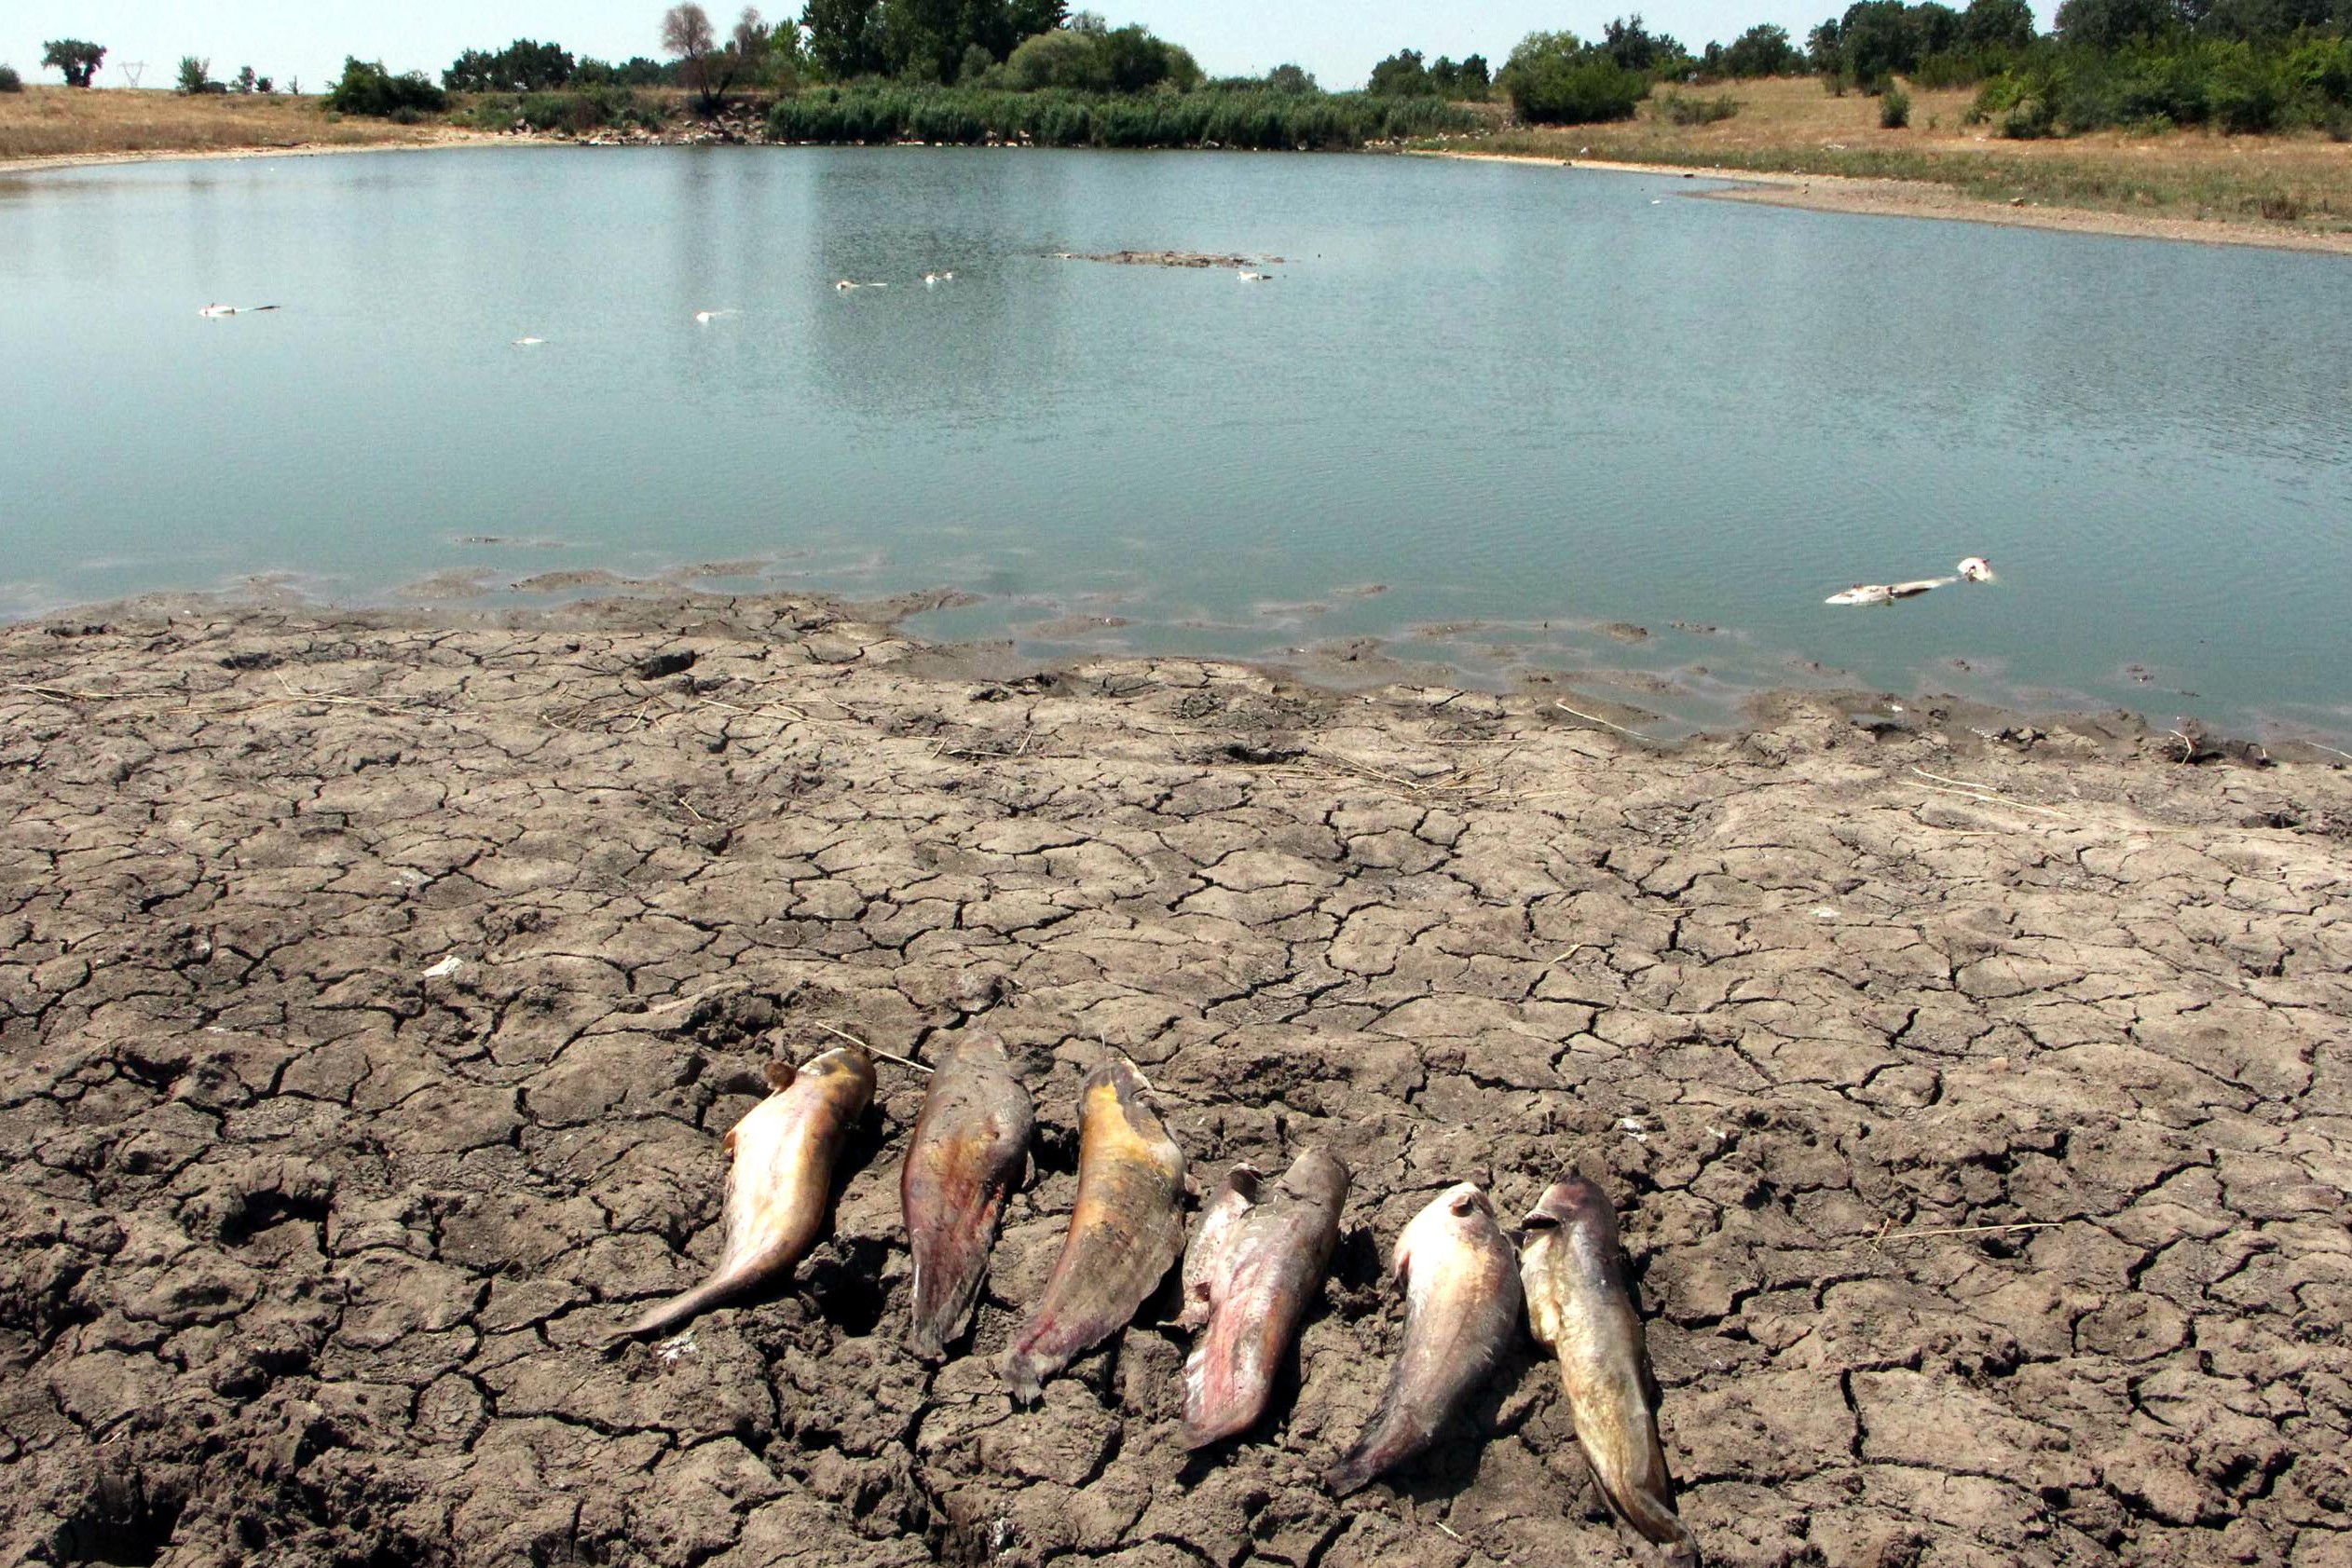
x=1650, y=1383
x=780, y=1076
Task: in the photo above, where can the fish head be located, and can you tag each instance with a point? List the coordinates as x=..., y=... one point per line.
x=1460, y=1211
x=845, y=1074
x=1317, y=1178
x=984, y=1049
x=1245, y=1178
x=1575, y=1211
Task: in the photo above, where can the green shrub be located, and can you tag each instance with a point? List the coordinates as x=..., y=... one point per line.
x=1895, y=109
x=9, y=80
x=368, y=88
x=1244, y=117
x=1677, y=110
x=1554, y=78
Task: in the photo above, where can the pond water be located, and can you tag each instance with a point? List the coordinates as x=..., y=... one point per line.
x=1537, y=407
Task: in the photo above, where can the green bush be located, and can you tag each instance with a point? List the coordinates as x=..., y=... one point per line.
x=1242, y=117
x=9, y=80
x=2233, y=86
x=1677, y=110
x=1895, y=109
x=1554, y=78
x=368, y=88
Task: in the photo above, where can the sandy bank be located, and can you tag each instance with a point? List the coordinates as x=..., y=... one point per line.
x=373, y=992
x=1919, y=199
x=440, y=139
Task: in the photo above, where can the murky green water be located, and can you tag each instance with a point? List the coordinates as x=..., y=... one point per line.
x=1528, y=402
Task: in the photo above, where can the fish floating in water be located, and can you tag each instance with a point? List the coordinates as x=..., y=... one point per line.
x=1249, y=1276
x=218, y=310
x=529, y=342
x=704, y=317
x=1462, y=1297
x=968, y=1149
x=1126, y=1228
x=1581, y=1305
x=1887, y=593
x=1974, y=569
x=781, y=1179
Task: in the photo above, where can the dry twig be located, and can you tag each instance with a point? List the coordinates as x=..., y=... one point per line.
x=871, y=1050
x=1594, y=718
x=1886, y=1237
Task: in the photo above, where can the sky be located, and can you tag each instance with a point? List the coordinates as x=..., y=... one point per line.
x=1338, y=40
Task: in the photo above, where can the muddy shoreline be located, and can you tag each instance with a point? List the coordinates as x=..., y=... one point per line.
x=374, y=988
x=1927, y=198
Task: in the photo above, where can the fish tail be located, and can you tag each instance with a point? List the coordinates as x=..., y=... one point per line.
x=1355, y=1472
x=679, y=1308
x=1025, y=1374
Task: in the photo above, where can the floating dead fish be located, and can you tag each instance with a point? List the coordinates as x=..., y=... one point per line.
x=1462, y=1301
x=1125, y=1229
x=1581, y=1302
x=1249, y=1276
x=1975, y=569
x=1887, y=593
x=781, y=1181
x=969, y=1147
x=216, y=311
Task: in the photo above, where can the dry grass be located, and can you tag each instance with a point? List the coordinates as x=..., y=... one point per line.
x=1793, y=126
x=66, y=122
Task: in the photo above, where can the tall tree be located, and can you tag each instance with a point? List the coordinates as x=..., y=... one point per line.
x=79, y=59
x=844, y=38
x=686, y=32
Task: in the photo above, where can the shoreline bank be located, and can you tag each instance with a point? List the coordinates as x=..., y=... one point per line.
x=1931, y=199
x=1923, y=199
x=374, y=996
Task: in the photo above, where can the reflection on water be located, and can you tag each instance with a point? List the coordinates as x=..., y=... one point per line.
x=1564, y=423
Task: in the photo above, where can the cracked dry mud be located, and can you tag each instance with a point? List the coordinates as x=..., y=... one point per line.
x=374, y=994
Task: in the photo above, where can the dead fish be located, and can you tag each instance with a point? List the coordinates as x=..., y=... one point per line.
x=1125, y=1229
x=1204, y=1253
x=1975, y=569
x=968, y=1149
x=781, y=1179
x=1461, y=1309
x=1249, y=1276
x=1581, y=1305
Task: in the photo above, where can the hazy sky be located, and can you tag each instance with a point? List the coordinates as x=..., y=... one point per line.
x=1336, y=39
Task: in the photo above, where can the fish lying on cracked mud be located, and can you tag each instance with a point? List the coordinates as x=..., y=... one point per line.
x=1125, y=1229
x=1462, y=1300
x=967, y=1152
x=781, y=1179
x=1581, y=1305
x=1250, y=1276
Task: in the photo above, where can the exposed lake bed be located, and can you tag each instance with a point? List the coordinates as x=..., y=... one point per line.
x=379, y=988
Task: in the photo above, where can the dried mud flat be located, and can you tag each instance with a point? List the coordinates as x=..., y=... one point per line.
x=372, y=994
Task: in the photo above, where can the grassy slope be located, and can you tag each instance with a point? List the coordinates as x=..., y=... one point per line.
x=1794, y=126
x=58, y=122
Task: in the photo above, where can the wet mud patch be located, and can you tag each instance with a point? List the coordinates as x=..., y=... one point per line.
x=375, y=992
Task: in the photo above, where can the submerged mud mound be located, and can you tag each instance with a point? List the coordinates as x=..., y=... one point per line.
x=372, y=996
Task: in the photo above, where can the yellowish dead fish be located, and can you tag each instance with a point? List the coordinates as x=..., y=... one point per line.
x=1581, y=1302
x=1249, y=1276
x=1125, y=1229
x=781, y=1181
x=1461, y=1309
x=967, y=1152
